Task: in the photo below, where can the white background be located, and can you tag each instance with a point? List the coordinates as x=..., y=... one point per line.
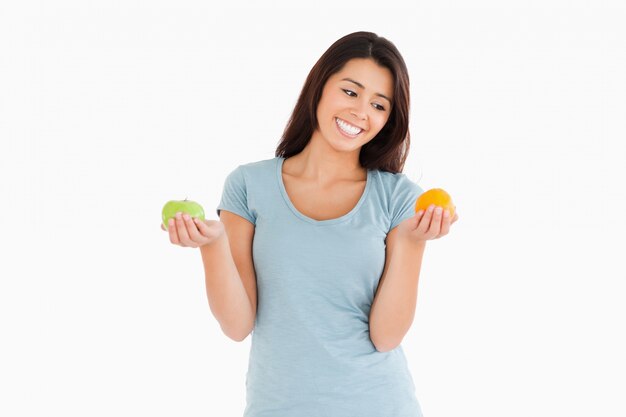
x=108, y=109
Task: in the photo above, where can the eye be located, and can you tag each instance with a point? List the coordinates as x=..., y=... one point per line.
x=350, y=92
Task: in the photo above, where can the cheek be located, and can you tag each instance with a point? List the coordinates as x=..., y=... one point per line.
x=324, y=107
x=381, y=122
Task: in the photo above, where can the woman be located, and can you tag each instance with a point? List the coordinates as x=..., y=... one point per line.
x=317, y=251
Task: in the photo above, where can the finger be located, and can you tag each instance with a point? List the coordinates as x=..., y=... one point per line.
x=412, y=222
x=455, y=218
x=182, y=230
x=424, y=223
x=435, y=224
x=445, y=224
x=171, y=227
x=194, y=234
x=163, y=227
x=203, y=228
x=417, y=218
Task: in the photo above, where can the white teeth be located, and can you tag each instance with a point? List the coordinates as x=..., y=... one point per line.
x=351, y=130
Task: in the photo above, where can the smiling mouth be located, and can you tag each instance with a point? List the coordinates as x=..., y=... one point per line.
x=347, y=129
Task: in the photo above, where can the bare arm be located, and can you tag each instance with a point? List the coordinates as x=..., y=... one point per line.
x=230, y=277
x=393, y=308
x=226, y=249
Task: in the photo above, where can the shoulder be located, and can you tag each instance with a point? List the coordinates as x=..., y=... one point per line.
x=256, y=175
x=390, y=177
x=391, y=184
x=245, y=188
x=261, y=163
x=396, y=195
x=256, y=167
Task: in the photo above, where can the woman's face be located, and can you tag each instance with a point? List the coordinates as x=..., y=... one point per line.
x=355, y=104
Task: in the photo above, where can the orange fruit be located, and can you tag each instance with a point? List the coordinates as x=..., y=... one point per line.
x=438, y=197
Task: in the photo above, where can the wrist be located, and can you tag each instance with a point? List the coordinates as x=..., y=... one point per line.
x=221, y=240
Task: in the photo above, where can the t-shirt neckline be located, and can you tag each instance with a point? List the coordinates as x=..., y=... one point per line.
x=347, y=216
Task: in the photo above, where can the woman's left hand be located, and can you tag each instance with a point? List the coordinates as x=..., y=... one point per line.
x=429, y=225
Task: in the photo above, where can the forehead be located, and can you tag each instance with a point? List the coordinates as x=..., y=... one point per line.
x=374, y=77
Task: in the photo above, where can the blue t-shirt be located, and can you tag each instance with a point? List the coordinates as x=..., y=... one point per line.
x=311, y=354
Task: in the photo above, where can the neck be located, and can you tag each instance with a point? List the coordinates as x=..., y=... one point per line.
x=319, y=163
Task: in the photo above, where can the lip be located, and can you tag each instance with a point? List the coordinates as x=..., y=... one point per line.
x=346, y=134
x=351, y=124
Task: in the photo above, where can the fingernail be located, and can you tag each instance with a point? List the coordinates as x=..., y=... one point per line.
x=170, y=222
x=446, y=214
x=438, y=211
x=431, y=208
x=186, y=216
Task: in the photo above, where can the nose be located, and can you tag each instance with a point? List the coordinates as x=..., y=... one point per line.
x=359, y=112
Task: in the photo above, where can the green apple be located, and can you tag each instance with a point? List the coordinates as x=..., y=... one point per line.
x=174, y=206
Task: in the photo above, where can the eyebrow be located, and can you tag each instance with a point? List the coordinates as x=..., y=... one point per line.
x=363, y=87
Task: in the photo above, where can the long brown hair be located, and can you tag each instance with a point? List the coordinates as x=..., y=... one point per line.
x=388, y=150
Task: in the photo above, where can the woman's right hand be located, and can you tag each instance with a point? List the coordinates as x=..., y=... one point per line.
x=194, y=232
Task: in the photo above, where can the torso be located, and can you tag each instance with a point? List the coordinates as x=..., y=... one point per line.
x=325, y=203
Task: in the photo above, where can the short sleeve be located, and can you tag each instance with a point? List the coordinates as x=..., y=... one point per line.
x=403, y=199
x=235, y=196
